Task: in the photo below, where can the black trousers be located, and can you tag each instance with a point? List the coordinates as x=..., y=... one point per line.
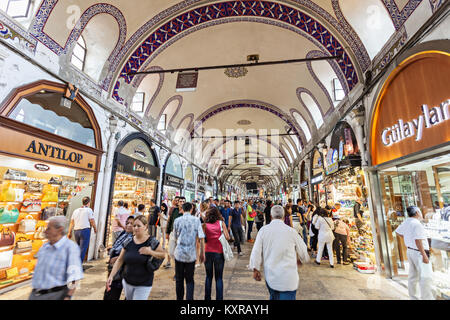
x=238, y=236
x=184, y=271
x=259, y=225
x=340, y=239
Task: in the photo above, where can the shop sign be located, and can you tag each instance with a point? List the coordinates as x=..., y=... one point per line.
x=201, y=189
x=173, y=181
x=190, y=186
x=332, y=161
x=317, y=179
x=41, y=167
x=412, y=113
x=21, y=144
x=126, y=164
x=304, y=184
x=415, y=128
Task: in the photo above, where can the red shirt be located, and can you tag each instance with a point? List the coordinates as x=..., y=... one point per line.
x=213, y=233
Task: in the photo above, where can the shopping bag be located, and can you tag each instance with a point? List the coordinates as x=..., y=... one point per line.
x=8, y=214
x=6, y=258
x=227, y=251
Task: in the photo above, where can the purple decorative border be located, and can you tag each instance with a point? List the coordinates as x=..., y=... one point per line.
x=247, y=104
x=399, y=17
x=191, y=116
x=47, y=6
x=179, y=98
x=435, y=4
x=307, y=124
x=268, y=10
x=304, y=90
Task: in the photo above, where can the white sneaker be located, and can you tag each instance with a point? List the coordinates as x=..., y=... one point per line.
x=240, y=254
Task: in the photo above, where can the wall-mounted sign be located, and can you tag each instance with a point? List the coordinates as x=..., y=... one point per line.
x=41, y=167
x=317, y=179
x=173, y=181
x=187, y=81
x=412, y=112
x=332, y=161
x=22, y=144
x=190, y=186
x=201, y=189
x=126, y=164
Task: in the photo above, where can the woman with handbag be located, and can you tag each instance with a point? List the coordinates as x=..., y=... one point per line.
x=134, y=257
x=214, y=253
x=325, y=225
x=116, y=284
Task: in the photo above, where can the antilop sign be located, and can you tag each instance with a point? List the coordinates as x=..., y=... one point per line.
x=412, y=111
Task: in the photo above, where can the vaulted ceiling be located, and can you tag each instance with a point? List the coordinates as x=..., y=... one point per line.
x=291, y=101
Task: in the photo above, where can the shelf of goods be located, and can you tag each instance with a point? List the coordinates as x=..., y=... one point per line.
x=23, y=222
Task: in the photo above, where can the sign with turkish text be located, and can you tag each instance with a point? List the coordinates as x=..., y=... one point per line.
x=412, y=112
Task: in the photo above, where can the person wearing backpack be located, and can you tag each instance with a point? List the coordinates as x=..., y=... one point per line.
x=137, y=277
x=325, y=225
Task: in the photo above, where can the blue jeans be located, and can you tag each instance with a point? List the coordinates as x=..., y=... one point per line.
x=82, y=237
x=249, y=231
x=281, y=295
x=214, y=262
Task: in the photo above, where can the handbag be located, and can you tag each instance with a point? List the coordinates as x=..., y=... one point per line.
x=15, y=175
x=3, y=274
x=11, y=273
x=33, y=187
x=7, y=237
x=51, y=196
x=28, y=224
x=31, y=205
x=39, y=234
x=6, y=258
x=153, y=263
x=9, y=214
x=8, y=192
x=252, y=214
x=23, y=245
x=227, y=251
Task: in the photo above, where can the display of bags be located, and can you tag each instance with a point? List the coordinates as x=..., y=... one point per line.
x=8, y=192
x=28, y=224
x=51, y=196
x=39, y=234
x=7, y=237
x=33, y=186
x=15, y=175
x=23, y=245
x=227, y=251
x=11, y=273
x=6, y=258
x=31, y=205
x=8, y=214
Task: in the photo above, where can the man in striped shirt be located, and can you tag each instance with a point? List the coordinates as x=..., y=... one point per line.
x=59, y=266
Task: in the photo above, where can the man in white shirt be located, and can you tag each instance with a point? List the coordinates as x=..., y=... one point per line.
x=82, y=221
x=415, y=238
x=280, y=248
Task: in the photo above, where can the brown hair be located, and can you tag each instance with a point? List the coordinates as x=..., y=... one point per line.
x=204, y=206
x=212, y=215
x=86, y=201
x=142, y=219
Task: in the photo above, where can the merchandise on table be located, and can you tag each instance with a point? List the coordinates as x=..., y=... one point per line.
x=28, y=198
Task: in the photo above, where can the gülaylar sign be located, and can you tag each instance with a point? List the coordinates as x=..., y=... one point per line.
x=412, y=110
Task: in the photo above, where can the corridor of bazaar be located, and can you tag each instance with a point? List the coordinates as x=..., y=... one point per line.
x=285, y=149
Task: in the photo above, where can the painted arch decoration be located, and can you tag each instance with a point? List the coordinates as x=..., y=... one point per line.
x=213, y=12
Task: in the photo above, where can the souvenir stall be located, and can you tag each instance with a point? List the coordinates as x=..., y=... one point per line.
x=411, y=165
x=345, y=182
x=173, y=183
x=49, y=160
x=135, y=176
x=189, y=187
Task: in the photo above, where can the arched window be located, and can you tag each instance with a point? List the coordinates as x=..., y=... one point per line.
x=79, y=54
x=301, y=121
x=16, y=8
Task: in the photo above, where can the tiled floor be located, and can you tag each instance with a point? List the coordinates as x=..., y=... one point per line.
x=316, y=283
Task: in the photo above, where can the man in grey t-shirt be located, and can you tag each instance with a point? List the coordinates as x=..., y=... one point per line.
x=187, y=229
